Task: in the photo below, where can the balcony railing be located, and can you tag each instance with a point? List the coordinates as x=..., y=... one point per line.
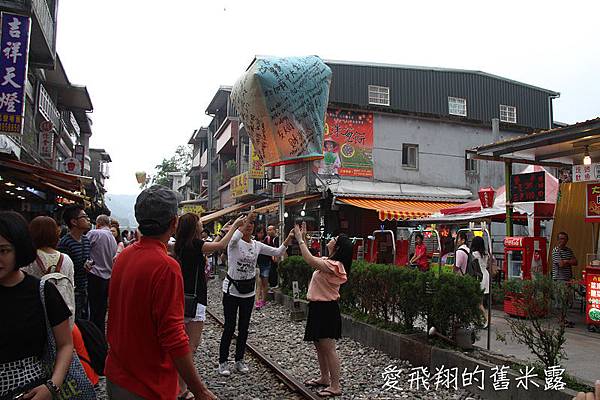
x=42, y=12
x=48, y=109
x=71, y=125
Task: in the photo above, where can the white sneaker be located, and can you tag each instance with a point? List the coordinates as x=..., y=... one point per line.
x=241, y=367
x=224, y=369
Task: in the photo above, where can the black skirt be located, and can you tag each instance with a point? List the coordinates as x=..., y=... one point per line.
x=324, y=321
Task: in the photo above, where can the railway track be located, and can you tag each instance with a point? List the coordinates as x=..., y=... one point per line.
x=291, y=382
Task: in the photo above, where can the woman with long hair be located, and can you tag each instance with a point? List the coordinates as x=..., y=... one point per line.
x=116, y=231
x=23, y=330
x=264, y=267
x=478, y=252
x=324, y=322
x=239, y=290
x=190, y=251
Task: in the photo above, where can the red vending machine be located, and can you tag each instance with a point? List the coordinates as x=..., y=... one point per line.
x=591, y=277
x=522, y=257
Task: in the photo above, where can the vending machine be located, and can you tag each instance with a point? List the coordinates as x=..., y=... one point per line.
x=523, y=257
x=591, y=277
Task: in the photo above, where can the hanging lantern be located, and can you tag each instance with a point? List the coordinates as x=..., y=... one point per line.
x=282, y=103
x=140, y=177
x=486, y=196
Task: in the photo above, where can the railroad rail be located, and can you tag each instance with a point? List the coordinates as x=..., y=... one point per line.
x=292, y=383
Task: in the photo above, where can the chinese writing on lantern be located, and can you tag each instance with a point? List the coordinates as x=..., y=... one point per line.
x=14, y=42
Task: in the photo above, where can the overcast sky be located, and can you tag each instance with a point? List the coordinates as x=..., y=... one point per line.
x=152, y=67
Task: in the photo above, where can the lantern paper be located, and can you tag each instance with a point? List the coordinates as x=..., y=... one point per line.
x=140, y=177
x=282, y=103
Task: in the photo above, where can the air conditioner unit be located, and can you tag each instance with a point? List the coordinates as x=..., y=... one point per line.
x=204, y=183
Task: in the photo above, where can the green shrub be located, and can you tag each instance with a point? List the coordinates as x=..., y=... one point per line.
x=395, y=297
x=294, y=268
x=453, y=302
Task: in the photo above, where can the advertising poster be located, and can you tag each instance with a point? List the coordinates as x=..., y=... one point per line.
x=592, y=203
x=347, y=144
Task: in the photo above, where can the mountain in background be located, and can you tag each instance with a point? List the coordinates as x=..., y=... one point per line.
x=121, y=207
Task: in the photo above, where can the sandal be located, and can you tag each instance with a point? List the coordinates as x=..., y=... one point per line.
x=314, y=383
x=186, y=396
x=328, y=393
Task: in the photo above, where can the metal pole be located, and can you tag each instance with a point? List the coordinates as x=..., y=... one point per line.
x=509, y=207
x=282, y=207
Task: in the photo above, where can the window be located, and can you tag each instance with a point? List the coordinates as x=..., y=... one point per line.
x=470, y=164
x=410, y=154
x=379, y=95
x=457, y=106
x=508, y=114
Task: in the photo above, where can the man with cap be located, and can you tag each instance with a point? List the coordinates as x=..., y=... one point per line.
x=148, y=345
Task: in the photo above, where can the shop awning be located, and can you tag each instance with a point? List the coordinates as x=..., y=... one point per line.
x=229, y=210
x=397, y=209
x=271, y=208
x=65, y=185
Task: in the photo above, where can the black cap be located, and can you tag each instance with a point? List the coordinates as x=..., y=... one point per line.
x=155, y=207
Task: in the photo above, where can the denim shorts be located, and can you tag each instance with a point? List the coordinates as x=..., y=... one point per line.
x=264, y=270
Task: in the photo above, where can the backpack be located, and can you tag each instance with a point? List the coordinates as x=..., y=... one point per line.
x=457, y=269
x=95, y=344
x=474, y=269
x=66, y=290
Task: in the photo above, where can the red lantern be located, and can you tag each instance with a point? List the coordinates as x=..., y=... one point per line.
x=486, y=196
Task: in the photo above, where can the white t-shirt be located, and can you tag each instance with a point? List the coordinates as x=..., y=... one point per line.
x=483, y=264
x=242, y=257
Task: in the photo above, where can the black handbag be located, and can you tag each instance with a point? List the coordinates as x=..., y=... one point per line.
x=191, y=300
x=243, y=286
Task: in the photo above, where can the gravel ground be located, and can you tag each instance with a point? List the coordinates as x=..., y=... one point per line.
x=272, y=331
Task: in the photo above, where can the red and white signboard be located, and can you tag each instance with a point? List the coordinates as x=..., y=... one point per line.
x=592, y=202
x=586, y=173
x=72, y=165
x=46, y=144
x=46, y=126
x=513, y=242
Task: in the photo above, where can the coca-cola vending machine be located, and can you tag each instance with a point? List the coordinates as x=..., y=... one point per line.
x=523, y=257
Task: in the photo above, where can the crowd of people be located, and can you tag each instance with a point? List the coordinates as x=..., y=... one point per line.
x=145, y=294
x=152, y=286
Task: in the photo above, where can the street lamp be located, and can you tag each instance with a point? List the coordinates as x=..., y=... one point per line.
x=278, y=192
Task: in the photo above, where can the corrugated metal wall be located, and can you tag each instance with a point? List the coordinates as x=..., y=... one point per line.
x=427, y=92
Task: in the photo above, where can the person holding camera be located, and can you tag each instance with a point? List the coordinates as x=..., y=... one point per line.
x=239, y=290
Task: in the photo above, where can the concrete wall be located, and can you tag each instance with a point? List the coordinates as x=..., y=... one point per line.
x=441, y=160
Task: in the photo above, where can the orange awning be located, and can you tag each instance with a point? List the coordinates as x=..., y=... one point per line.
x=398, y=209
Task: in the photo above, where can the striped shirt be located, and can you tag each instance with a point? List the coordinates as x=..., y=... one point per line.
x=561, y=273
x=79, y=253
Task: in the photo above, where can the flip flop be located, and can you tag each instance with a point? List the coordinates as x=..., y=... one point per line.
x=328, y=393
x=314, y=383
x=185, y=396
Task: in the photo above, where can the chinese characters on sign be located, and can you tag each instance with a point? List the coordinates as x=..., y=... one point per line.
x=347, y=145
x=241, y=185
x=586, y=173
x=593, y=298
x=528, y=187
x=257, y=170
x=592, y=202
x=282, y=103
x=79, y=154
x=420, y=378
x=193, y=208
x=46, y=144
x=14, y=42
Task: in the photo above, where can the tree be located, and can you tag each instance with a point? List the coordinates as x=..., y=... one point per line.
x=181, y=161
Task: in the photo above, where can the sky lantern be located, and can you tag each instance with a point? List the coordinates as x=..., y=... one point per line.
x=282, y=103
x=486, y=196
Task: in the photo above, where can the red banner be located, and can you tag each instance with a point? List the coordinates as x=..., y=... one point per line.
x=347, y=144
x=592, y=203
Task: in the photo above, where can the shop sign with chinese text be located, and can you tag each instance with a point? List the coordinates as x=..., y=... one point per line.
x=14, y=42
x=46, y=144
x=528, y=187
x=241, y=185
x=79, y=154
x=347, y=144
x=193, y=208
x=257, y=170
x=586, y=173
x=592, y=202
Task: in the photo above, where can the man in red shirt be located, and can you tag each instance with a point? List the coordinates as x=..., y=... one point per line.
x=420, y=257
x=147, y=342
